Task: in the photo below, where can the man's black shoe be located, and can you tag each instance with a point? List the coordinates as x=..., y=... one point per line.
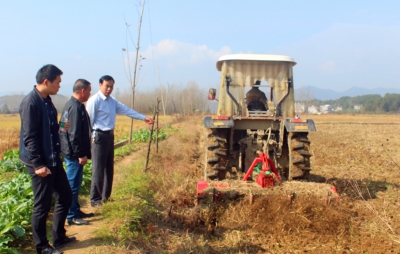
x=64, y=242
x=85, y=215
x=50, y=250
x=77, y=221
x=95, y=204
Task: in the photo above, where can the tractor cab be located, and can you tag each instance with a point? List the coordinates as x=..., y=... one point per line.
x=246, y=77
x=256, y=117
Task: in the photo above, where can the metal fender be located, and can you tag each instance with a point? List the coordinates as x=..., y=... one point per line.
x=299, y=125
x=218, y=122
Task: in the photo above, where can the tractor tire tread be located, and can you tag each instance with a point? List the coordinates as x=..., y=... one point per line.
x=219, y=152
x=214, y=145
x=216, y=153
x=304, y=153
x=212, y=160
x=299, y=149
x=305, y=140
x=299, y=146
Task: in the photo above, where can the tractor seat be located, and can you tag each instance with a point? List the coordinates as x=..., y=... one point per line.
x=256, y=106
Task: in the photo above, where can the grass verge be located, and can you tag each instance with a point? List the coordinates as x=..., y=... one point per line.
x=130, y=209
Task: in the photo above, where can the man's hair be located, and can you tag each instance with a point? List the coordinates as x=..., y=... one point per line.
x=80, y=84
x=49, y=72
x=106, y=78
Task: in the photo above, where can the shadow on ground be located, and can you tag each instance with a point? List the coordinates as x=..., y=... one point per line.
x=355, y=189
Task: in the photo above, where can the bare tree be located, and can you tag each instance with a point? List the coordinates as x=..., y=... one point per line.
x=183, y=99
x=133, y=82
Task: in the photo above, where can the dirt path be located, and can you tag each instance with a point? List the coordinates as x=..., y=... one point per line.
x=85, y=235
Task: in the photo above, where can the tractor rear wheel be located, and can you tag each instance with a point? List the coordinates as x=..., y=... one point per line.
x=216, y=154
x=300, y=155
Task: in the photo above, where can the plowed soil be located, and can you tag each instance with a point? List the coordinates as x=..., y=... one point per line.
x=358, y=155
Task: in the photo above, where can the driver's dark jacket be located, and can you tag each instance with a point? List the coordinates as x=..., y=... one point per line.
x=36, y=147
x=75, y=143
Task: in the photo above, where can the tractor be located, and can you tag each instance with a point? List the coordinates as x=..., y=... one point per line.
x=256, y=115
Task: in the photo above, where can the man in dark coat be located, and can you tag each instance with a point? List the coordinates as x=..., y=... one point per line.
x=256, y=99
x=75, y=146
x=39, y=152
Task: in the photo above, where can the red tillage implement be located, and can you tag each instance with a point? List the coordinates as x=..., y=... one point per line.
x=215, y=194
x=264, y=178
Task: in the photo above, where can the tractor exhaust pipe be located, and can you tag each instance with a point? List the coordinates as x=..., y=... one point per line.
x=227, y=82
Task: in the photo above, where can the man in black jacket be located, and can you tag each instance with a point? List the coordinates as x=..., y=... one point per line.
x=75, y=146
x=39, y=151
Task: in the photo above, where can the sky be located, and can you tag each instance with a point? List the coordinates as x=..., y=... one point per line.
x=336, y=44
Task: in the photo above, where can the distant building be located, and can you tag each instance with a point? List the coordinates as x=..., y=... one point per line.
x=325, y=109
x=357, y=107
x=299, y=107
x=337, y=109
x=312, y=110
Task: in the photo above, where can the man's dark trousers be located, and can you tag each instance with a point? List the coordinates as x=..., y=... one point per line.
x=102, y=166
x=55, y=184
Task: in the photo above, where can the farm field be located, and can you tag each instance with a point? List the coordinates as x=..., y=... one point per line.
x=10, y=125
x=360, y=156
x=357, y=154
x=9, y=132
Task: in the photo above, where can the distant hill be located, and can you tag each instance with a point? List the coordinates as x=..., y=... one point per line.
x=304, y=93
x=13, y=101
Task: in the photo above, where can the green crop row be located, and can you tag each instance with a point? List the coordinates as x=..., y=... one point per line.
x=16, y=201
x=16, y=195
x=16, y=204
x=143, y=135
x=11, y=163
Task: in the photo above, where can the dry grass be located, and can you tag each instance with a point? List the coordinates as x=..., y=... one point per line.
x=357, y=154
x=9, y=132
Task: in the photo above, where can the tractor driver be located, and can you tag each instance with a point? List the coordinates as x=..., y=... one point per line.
x=256, y=99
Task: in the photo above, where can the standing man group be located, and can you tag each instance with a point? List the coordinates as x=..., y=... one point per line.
x=41, y=142
x=75, y=146
x=102, y=109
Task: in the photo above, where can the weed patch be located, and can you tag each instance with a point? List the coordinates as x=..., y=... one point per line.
x=131, y=207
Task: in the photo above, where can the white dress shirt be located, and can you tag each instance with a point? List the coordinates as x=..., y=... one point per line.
x=102, y=111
